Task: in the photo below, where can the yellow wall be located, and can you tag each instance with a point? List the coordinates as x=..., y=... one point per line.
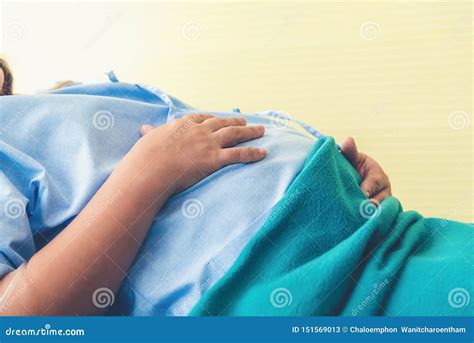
x=390, y=74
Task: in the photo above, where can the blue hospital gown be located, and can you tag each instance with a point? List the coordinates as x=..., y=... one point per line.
x=57, y=149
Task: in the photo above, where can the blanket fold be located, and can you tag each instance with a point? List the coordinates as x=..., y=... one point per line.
x=327, y=250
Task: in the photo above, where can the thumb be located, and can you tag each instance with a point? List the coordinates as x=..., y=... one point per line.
x=349, y=149
x=145, y=129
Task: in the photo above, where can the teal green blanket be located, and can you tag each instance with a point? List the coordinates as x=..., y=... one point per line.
x=326, y=250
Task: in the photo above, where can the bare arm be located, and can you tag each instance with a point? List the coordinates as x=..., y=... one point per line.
x=98, y=247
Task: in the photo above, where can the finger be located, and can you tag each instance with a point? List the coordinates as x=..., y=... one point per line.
x=381, y=196
x=349, y=149
x=198, y=117
x=372, y=184
x=241, y=155
x=145, y=129
x=217, y=123
x=232, y=135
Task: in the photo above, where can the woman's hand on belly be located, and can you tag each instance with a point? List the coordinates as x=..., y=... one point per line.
x=94, y=252
x=195, y=146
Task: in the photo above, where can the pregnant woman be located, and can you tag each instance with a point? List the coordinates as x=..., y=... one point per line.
x=80, y=192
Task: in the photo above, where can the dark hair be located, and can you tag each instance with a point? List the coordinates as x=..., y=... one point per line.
x=7, y=88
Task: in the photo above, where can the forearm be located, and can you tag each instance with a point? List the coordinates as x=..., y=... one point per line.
x=97, y=248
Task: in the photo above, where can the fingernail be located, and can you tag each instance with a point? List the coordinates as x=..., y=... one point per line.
x=367, y=194
x=262, y=151
x=261, y=128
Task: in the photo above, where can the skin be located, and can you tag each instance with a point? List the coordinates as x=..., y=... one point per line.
x=375, y=183
x=98, y=247
x=61, y=278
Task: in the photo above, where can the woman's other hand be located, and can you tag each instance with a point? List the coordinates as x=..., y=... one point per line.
x=375, y=183
x=197, y=145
